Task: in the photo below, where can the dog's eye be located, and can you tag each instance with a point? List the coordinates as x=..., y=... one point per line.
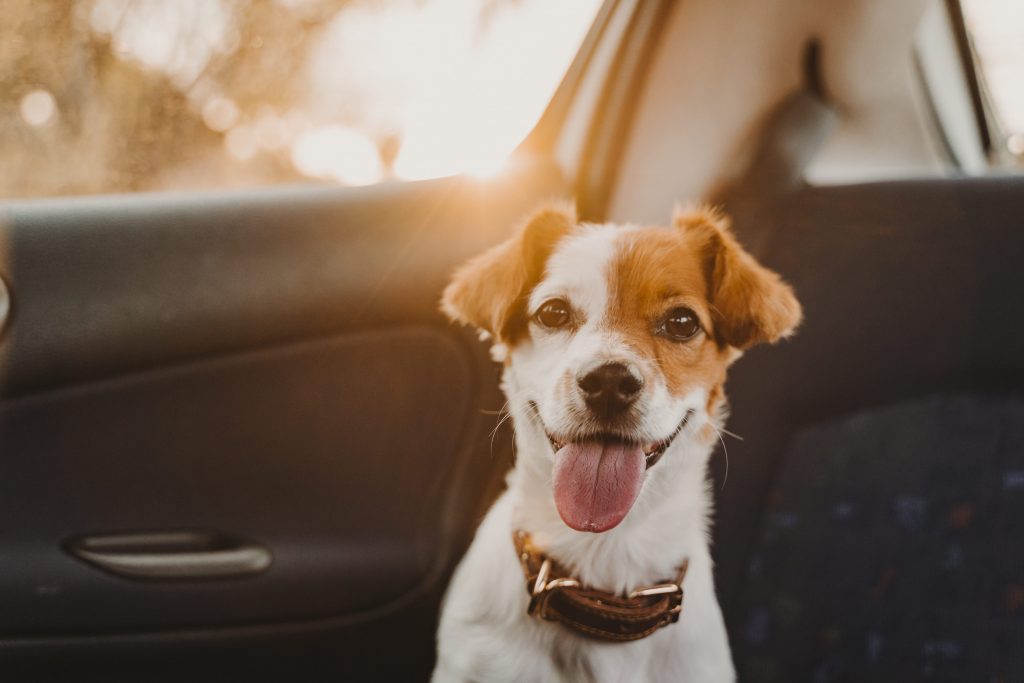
x=680, y=324
x=553, y=313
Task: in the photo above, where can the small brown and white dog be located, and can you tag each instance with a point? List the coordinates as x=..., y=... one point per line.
x=615, y=341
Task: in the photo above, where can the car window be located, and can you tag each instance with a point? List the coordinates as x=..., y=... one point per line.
x=996, y=30
x=128, y=95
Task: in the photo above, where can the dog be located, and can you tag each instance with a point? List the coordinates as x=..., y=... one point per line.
x=594, y=564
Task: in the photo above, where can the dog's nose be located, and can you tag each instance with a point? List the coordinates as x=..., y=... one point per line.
x=610, y=388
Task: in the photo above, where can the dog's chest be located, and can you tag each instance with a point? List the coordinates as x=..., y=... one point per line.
x=579, y=659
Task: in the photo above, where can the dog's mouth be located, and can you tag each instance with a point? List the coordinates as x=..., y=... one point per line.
x=652, y=450
x=598, y=475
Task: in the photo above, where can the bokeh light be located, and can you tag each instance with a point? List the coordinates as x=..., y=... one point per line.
x=38, y=108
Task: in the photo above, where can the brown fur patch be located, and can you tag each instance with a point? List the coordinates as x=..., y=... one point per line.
x=701, y=266
x=750, y=304
x=657, y=269
x=490, y=291
x=716, y=397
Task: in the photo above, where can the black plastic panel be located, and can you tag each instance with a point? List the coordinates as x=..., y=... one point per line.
x=335, y=454
x=107, y=285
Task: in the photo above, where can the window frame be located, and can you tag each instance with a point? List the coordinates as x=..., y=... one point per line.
x=980, y=102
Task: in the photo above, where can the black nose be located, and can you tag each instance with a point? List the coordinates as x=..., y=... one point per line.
x=610, y=388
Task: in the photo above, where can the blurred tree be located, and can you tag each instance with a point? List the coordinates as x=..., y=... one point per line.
x=118, y=124
x=128, y=95
x=114, y=124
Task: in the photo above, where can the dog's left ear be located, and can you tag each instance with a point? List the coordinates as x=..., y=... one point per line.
x=490, y=291
x=750, y=304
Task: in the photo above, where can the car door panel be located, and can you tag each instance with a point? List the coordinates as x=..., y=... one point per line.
x=332, y=453
x=268, y=366
x=106, y=285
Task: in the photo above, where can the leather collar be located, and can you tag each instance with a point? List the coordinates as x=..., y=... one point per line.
x=593, y=613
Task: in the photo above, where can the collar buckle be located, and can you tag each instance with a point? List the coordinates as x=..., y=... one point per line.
x=542, y=585
x=595, y=613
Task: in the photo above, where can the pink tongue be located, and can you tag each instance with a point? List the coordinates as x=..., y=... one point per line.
x=596, y=483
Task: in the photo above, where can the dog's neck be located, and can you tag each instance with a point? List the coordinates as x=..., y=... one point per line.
x=668, y=522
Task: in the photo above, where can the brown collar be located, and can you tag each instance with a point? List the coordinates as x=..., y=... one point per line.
x=594, y=613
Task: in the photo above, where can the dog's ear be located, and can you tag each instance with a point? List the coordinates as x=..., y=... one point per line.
x=490, y=291
x=750, y=304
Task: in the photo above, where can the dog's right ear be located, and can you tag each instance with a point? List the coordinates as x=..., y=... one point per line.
x=490, y=291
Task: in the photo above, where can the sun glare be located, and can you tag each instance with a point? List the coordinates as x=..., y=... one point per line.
x=458, y=88
x=228, y=93
x=338, y=153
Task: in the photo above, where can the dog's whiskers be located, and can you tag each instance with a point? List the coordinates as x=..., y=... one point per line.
x=732, y=434
x=725, y=449
x=506, y=416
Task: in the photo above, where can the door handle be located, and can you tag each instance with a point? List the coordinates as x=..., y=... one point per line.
x=5, y=304
x=172, y=555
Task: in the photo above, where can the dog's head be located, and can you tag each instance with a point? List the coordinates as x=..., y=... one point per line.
x=615, y=338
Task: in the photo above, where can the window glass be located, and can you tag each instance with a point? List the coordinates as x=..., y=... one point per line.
x=996, y=28
x=129, y=95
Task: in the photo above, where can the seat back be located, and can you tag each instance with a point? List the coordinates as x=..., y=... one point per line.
x=908, y=365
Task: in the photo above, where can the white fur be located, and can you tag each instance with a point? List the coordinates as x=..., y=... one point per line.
x=485, y=633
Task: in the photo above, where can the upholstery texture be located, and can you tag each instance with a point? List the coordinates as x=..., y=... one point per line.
x=890, y=548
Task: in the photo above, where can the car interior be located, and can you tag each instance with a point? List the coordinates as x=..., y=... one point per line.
x=239, y=441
